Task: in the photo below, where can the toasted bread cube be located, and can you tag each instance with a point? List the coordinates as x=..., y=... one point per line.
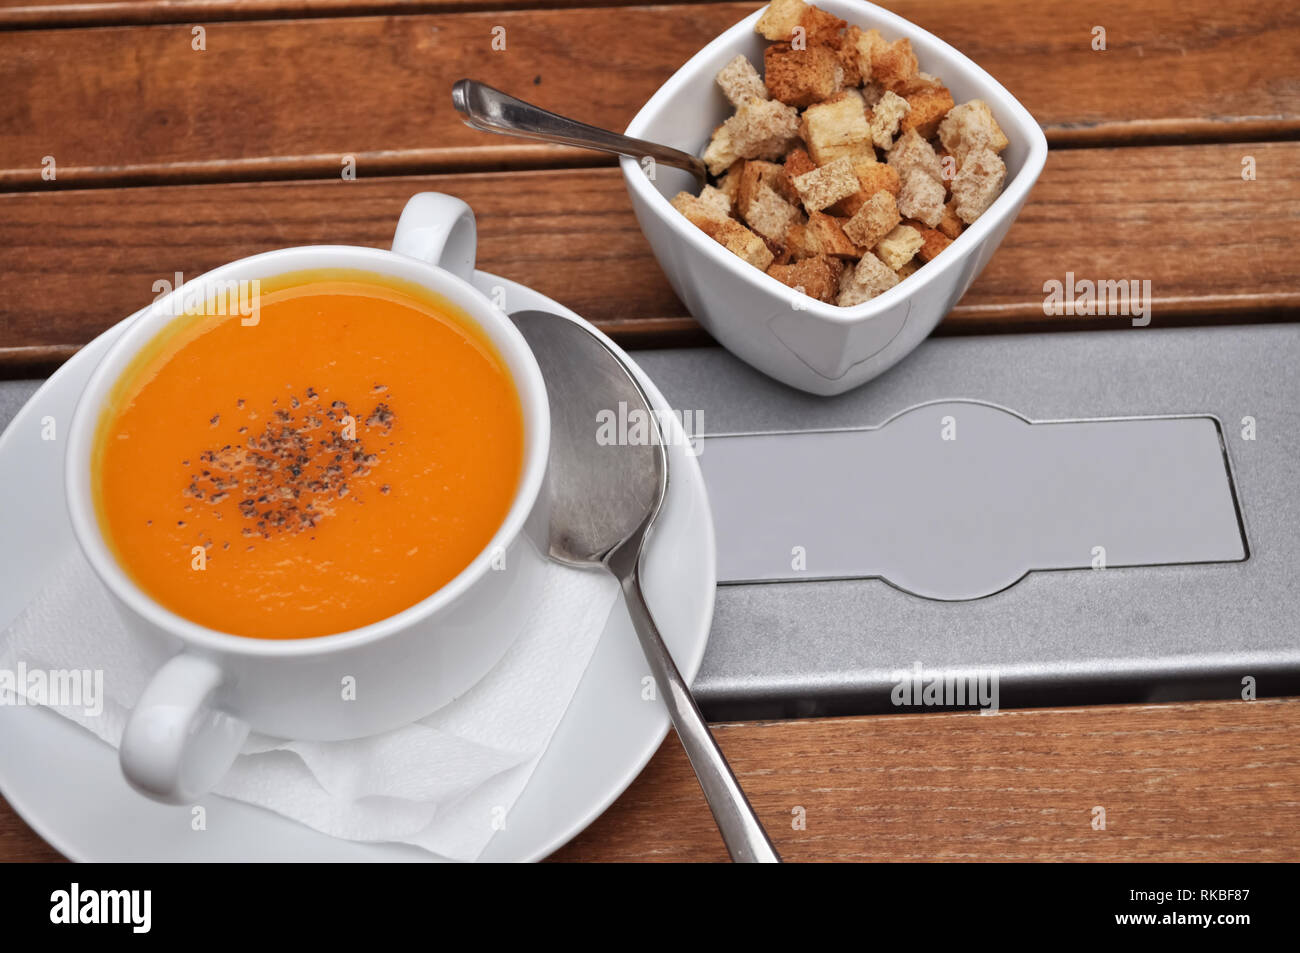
x=743, y=243
x=897, y=248
x=933, y=241
x=827, y=184
x=927, y=108
x=718, y=198
x=781, y=17
x=802, y=77
x=798, y=161
x=770, y=215
x=816, y=277
x=947, y=167
x=723, y=229
x=697, y=210
x=824, y=235
x=760, y=129
x=846, y=50
x=922, y=197
x=909, y=269
x=978, y=183
x=885, y=118
x=763, y=208
x=971, y=126
x=750, y=174
x=877, y=217
x=837, y=127
x=869, y=278
x=796, y=164
x=864, y=44
x=820, y=26
x=912, y=152
x=740, y=82
x=950, y=224
x=723, y=149
x=873, y=177
x=894, y=66
x=729, y=181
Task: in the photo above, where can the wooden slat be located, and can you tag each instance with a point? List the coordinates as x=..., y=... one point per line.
x=1208, y=781
x=1211, y=781
x=288, y=98
x=1215, y=248
x=32, y=14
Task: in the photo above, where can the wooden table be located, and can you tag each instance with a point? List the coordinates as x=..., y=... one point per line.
x=127, y=154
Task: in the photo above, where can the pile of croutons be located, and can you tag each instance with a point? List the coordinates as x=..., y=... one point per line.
x=844, y=168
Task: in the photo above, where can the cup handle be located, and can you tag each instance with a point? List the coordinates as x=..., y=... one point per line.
x=439, y=229
x=177, y=744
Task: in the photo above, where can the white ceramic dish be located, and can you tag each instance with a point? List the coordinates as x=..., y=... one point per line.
x=816, y=347
x=68, y=785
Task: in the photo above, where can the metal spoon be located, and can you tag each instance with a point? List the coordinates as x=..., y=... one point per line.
x=604, y=499
x=493, y=111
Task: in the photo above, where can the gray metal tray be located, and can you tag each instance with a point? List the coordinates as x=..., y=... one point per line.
x=1125, y=634
x=1185, y=608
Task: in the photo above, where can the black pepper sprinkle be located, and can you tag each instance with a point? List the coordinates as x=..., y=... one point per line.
x=290, y=475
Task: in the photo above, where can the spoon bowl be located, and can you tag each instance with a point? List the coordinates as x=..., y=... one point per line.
x=604, y=496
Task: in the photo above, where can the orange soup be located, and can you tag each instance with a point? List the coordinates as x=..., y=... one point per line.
x=328, y=464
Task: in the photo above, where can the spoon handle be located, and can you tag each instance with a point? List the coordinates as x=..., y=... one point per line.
x=741, y=830
x=491, y=110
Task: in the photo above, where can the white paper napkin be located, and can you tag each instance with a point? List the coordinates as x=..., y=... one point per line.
x=445, y=783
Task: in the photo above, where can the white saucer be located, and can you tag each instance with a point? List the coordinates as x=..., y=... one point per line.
x=66, y=783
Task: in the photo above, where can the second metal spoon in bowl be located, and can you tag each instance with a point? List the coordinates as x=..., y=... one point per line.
x=494, y=111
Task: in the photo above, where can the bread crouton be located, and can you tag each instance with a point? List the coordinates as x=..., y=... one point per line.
x=885, y=117
x=770, y=215
x=797, y=163
x=827, y=184
x=802, y=77
x=927, y=108
x=718, y=198
x=816, y=277
x=978, y=183
x=922, y=197
x=950, y=224
x=696, y=209
x=740, y=82
x=729, y=181
x=933, y=240
x=837, y=127
x=971, y=126
x=913, y=152
x=781, y=17
x=749, y=174
x=821, y=235
x=763, y=208
x=845, y=49
x=897, y=248
x=863, y=44
x=868, y=279
x=723, y=229
x=760, y=129
x=873, y=221
x=763, y=200
x=909, y=269
x=894, y=66
x=873, y=177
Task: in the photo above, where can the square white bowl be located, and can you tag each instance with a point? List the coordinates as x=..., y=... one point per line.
x=817, y=347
